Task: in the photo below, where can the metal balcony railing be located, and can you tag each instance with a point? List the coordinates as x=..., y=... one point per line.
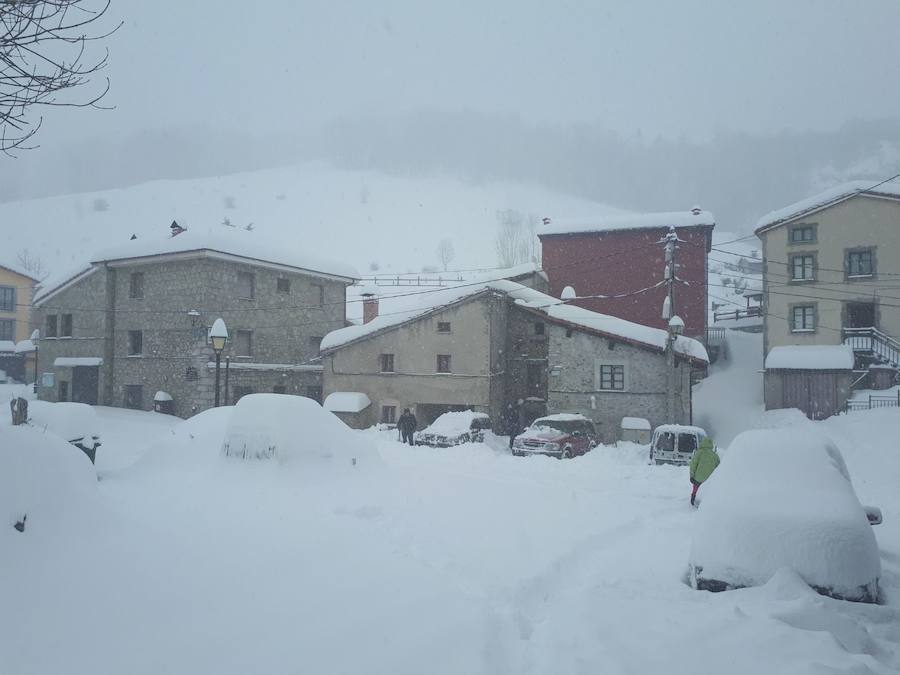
x=871, y=341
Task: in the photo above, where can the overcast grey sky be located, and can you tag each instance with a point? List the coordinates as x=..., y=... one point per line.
x=687, y=67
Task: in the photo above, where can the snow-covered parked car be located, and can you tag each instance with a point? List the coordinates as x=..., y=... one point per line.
x=783, y=499
x=76, y=423
x=675, y=443
x=454, y=428
x=563, y=435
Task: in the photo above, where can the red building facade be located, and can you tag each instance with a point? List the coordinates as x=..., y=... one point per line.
x=623, y=256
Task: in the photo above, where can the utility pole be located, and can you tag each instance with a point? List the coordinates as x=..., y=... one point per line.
x=674, y=324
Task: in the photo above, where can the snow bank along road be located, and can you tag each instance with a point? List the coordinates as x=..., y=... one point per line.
x=460, y=561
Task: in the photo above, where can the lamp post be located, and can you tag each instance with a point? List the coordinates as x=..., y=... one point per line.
x=676, y=328
x=218, y=335
x=35, y=337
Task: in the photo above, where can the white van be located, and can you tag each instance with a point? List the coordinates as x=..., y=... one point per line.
x=675, y=443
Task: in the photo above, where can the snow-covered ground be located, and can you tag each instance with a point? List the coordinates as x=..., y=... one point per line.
x=455, y=561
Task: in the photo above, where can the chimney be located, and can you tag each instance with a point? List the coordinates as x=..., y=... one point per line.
x=696, y=211
x=176, y=228
x=370, y=305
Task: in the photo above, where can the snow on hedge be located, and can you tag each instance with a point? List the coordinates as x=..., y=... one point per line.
x=784, y=499
x=409, y=307
x=291, y=429
x=454, y=423
x=346, y=402
x=810, y=357
x=70, y=421
x=43, y=477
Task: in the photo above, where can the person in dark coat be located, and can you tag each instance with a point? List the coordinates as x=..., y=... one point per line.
x=512, y=422
x=407, y=424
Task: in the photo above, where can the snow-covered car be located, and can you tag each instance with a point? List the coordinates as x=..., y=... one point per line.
x=563, y=435
x=76, y=423
x=783, y=499
x=675, y=443
x=454, y=428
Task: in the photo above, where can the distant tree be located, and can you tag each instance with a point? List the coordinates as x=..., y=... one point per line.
x=42, y=54
x=511, y=242
x=249, y=227
x=445, y=252
x=374, y=266
x=31, y=264
x=226, y=221
x=228, y=200
x=100, y=205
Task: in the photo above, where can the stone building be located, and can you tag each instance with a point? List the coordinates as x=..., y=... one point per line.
x=135, y=321
x=488, y=346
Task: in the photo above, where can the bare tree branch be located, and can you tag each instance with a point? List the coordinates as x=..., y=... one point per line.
x=42, y=55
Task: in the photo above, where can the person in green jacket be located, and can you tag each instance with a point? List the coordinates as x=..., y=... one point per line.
x=703, y=463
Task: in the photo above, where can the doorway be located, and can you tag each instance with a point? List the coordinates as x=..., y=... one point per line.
x=860, y=315
x=85, y=384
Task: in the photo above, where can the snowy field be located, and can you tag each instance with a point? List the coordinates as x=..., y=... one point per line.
x=416, y=560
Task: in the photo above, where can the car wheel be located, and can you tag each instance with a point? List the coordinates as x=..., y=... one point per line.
x=566, y=453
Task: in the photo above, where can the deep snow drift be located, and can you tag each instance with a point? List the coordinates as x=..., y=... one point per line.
x=464, y=560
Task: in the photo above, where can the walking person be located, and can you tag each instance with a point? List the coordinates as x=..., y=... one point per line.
x=703, y=463
x=407, y=424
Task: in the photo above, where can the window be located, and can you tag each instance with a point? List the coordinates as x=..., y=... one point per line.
x=687, y=443
x=8, y=329
x=860, y=263
x=65, y=328
x=135, y=343
x=190, y=373
x=538, y=327
x=803, y=318
x=318, y=294
x=243, y=342
x=387, y=363
x=63, y=394
x=51, y=325
x=7, y=298
x=534, y=376
x=245, y=285
x=283, y=285
x=134, y=396
x=313, y=392
x=612, y=377
x=802, y=234
x=136, y=286
x=803, y=267
x=315, y=343
x=443, y=363
x=388, y=414
x=443, y=327
x=279, y=389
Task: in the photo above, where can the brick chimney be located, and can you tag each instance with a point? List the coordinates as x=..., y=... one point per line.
x=370, y=305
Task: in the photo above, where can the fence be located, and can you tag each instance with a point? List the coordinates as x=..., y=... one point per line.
x=874, y=402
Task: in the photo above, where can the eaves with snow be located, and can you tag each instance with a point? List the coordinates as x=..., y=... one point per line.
x=830, y=197
x=637, y=221
x=419, y=305
x=235, y=244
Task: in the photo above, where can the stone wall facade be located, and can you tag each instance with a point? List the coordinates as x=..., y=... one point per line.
x=148, y=320
x=574, y=361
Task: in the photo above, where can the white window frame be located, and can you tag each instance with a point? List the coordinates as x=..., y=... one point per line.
x=811, y=267
x=803, y=328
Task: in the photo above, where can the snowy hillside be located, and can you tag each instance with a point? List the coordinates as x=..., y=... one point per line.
x=357, y=217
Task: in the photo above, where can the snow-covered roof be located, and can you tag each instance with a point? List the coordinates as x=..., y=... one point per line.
x=810, y=357
x=681, y=429
x=7, y=346
x=827, y=198
x=235, y=242
x=638, y=423
x=417, y=305
x=638, y=221
x=72, y=361
x=58, y=282
x=346, y=401
x=286, y=367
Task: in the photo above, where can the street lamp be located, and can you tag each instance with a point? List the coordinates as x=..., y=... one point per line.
x=35, y=337
x=218, y=335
